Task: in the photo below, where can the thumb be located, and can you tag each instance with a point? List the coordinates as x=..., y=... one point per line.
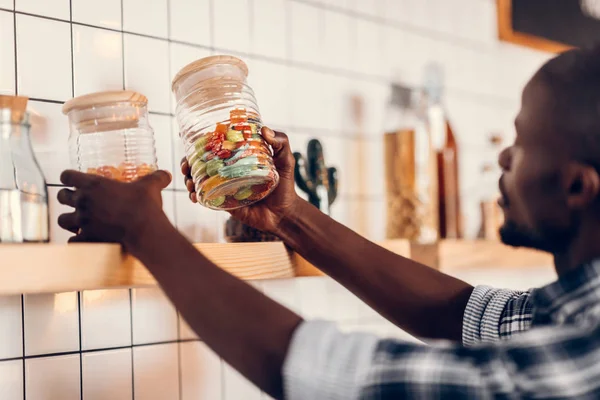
x=282, y=153
x=160, y=179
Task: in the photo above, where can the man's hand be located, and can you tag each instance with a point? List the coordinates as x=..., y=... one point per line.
x=265, y=215
x=111, y=211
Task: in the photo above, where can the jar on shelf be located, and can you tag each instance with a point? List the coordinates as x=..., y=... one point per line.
x=23, y=191
x=110, y=135
x=220, y=125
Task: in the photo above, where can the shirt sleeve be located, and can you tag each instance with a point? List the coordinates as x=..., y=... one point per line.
x=493, y=314
x=323, y=363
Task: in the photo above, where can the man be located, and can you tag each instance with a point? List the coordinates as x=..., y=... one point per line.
x=551, y=200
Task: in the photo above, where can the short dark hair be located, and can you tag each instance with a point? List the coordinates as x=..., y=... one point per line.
x=574, y=79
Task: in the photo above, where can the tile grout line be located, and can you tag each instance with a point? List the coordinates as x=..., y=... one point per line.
x=131, y=336
x=23, y=336
x=15, y=45
x=80, y=346
x=173, y=199
x=122, y=46
x=97, y=350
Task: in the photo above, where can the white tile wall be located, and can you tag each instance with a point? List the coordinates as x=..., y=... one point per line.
x=7, y=53
x=106, y=14
x=53, y=378
x=107, y=375
x=11, y=379
x=307, y=60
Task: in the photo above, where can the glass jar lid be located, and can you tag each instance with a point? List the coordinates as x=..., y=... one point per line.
x=103, y=111
x=215, y=67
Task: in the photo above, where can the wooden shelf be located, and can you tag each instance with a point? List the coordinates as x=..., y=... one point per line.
x=54, y=268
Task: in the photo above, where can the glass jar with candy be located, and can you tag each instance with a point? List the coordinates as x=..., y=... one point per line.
x=220, y=125
x=110, y=135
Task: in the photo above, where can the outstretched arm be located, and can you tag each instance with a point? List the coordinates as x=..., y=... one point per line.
x=420, y=300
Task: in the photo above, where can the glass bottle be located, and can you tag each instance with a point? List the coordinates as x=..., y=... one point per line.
x=23, y=191
x=446, y=152
x=410, y=169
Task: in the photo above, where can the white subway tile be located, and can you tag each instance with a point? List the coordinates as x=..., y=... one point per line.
x=156, y=372
x=107, y=375
x=283, y=291
x=231, y=25
x=11, y=332
x=57, y=234
x=106, y=13
x=314, y=301
x=49, y=139
x=7, y=4
x=200, y=372
x=368, y=55
x=148, y=17
x=53, y=378
x=168, y=200
x=181, y=55
x=7, y=53
x=105, y=319
x=271, y=85
x=340, y=4
x=11, y=380
x=190, y=21
x=307, y=110
x=306, y=32
x=154, y=83
x=161, y=124
x=49, y=8
x=185, y=332
x=198, y=223
x=338, y=41
x=270, y=28
x=51, y=323
x=373, y=8
x=43, y=58
x=235, y=386
x=344, y=304
x=97, y=60
x=154, y=317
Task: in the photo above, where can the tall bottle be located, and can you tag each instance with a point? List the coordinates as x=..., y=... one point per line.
x=410, y=169
x=23, y=192
x=446, y=151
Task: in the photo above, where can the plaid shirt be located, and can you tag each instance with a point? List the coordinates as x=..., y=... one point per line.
x=559, y=357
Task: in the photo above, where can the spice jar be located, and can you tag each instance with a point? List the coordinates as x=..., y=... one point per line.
x=23, y=192
x=220, y=124
x=110, y=135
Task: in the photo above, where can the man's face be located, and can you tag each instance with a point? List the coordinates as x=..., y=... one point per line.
x=533, y=198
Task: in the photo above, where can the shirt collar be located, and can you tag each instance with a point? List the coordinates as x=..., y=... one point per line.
x=569, y=297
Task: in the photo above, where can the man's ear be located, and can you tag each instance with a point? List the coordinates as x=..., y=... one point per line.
x=582, y=185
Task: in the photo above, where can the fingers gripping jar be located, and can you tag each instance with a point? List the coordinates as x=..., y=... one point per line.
x=110, y=135
x=220, y=125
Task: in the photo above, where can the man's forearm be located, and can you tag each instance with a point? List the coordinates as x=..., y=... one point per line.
x=246, y=328
x=419, y=299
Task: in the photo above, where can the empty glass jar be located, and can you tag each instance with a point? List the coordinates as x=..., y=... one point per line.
x=220, y=124
x=110, y=135
x=23, y=192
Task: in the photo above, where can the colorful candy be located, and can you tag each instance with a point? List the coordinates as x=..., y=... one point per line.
x=232, y=166
x=124, y=172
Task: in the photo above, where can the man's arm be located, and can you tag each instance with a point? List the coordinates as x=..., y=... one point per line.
x=544, y=363
x=419, y=299
x=243, y=326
